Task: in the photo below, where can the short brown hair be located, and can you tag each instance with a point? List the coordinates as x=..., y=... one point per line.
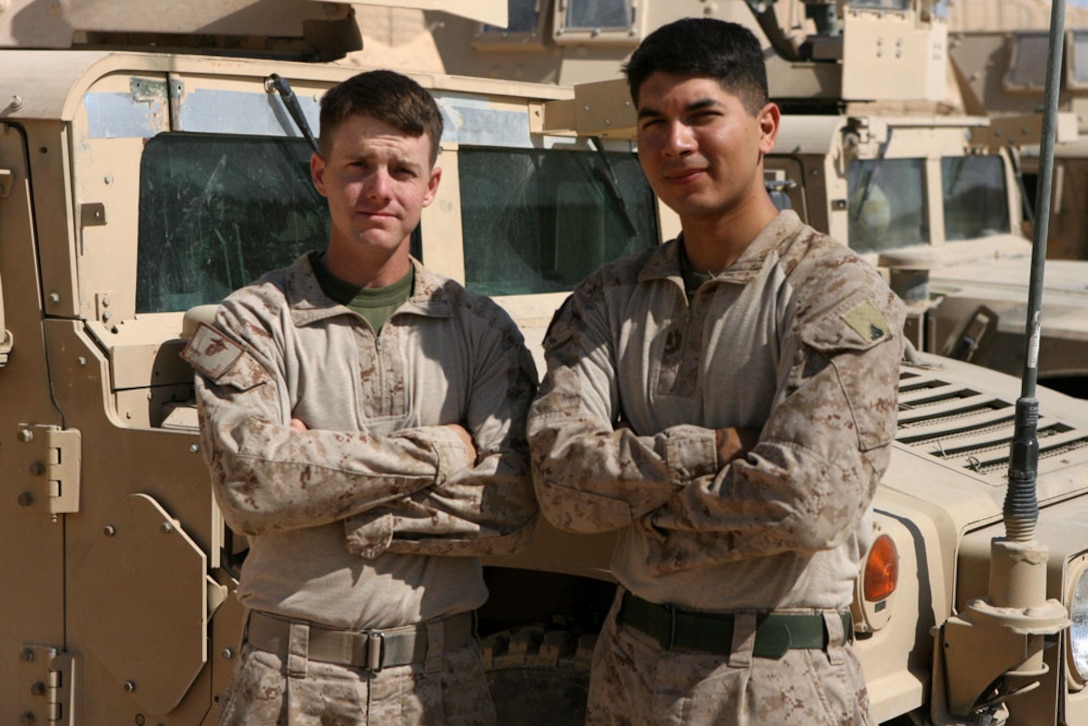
x=386, y=96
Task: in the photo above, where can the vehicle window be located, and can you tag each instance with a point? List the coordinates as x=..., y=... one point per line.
x=216, y=212
x=880, y=4
x=1080, y=56
x=523, y=16
x=598, y=14
x=975, y=197
x=886, y=204
x=540, y=220
x=1029, y=58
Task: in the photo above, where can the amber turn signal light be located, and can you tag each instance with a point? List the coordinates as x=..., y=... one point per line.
x=881, y=569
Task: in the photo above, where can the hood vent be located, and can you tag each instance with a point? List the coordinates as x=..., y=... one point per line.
x=970, y=429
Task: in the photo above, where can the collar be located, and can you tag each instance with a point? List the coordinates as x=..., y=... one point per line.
x=664, y=263
x=309, y=303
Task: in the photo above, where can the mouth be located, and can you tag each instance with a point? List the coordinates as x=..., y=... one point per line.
x=375, y=215
x=683, y=176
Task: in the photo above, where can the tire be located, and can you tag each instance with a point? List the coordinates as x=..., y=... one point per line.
x=538, y=676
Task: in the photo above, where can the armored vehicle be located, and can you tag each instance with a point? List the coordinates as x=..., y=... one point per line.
x=918, y=167
x=144, y=175
x=999, y=74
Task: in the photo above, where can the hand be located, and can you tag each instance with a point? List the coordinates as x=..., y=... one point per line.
x=299, y=426
x=733, y=443
x=466, y=439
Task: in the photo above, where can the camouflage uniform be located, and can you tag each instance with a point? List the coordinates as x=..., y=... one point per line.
x=374, y=518
x=799, y=338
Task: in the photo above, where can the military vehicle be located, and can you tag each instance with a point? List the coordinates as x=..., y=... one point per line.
x=152, y=161
x=998, y=73
x=957, y=216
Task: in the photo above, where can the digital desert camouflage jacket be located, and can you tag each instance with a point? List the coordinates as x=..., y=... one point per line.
x=343, y=517
x=799, y=338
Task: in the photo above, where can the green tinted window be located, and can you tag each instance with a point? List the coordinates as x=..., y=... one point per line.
x=976, y=202
x=540, y=220
x=216, y=212
x=886, y=204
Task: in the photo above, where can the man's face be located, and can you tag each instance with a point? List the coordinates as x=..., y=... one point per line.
x=700, y=148
x=377, y=180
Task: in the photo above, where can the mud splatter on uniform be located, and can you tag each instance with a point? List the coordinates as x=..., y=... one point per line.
x=374, y=518
x=799, y=338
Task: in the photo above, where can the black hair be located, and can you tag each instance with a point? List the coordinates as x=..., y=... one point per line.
x=727, y=52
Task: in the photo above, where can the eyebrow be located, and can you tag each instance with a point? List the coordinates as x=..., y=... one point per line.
x=394, y=160
x=693, y=106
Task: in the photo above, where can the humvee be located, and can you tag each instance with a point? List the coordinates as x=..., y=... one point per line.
x=145, y=174
x=999, y=74
x=908, y=117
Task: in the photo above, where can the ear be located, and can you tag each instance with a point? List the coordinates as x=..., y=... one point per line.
x=770, y=116
x=432, y=185
x=317, y=172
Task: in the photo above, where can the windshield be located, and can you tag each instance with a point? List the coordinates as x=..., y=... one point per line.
x=886, y=204
x=975, y=197
x=540, y=220
x=216, y=212
x=887, y=201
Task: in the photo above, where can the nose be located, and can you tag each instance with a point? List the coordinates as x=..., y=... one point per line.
x=679, y=140
x=378, y=184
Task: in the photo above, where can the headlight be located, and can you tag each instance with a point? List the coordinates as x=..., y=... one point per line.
x=1078, y=632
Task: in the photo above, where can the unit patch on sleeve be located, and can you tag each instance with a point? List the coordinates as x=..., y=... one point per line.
x=868, y=322
x=211, y=352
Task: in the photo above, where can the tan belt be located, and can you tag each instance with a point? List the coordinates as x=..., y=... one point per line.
x=369, y=649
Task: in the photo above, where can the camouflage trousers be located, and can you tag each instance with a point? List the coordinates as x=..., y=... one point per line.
x=329, y=694
x=634, y=681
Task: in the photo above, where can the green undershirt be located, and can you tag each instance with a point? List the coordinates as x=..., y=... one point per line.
x=692, y=279
x=373, y=304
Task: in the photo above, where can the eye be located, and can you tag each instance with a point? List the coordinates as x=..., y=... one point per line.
x=704, y=116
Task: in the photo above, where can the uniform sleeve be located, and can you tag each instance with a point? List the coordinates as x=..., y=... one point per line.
x=591, y=476
x=484, y=509
x=268, y=478
x=807, y=483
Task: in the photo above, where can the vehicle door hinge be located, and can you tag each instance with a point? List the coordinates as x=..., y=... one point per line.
x=54, y=457
x=52, y=678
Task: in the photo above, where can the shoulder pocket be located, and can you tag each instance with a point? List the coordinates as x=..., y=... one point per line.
x=859, y=343
x=220, y=359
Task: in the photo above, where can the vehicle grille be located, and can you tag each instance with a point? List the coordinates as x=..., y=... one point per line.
x=971, y=429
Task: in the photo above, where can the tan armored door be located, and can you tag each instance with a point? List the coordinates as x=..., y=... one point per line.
x=31, y=540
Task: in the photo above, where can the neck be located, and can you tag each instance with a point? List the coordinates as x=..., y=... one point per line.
x=368, y=268
x=713, y=243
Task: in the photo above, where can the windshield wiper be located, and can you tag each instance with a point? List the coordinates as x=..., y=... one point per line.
x=608, y=176
x=277, y=84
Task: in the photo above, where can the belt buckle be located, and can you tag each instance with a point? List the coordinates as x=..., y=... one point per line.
x=375, y=651
x=371, y=643
x=670, y=630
